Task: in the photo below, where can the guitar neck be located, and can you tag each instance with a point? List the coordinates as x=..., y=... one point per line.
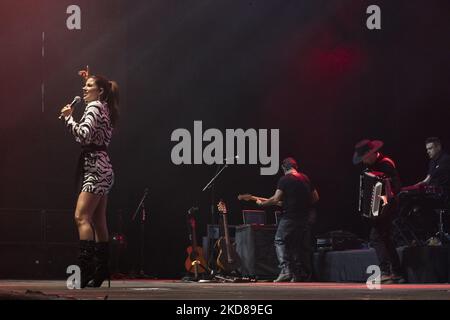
x=227, y=236
x=194, y=238
x=255, y=198
x=193, y=233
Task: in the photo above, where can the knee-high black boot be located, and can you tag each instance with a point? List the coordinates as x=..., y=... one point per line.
x=86, y=261
x=101, y=265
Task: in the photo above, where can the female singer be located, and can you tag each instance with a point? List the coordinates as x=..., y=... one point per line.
x=95, y=174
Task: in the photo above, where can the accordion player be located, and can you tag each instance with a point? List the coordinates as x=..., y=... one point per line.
x=374, y=193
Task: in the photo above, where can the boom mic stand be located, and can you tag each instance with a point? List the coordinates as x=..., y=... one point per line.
x=143, y=217
x=211, y=185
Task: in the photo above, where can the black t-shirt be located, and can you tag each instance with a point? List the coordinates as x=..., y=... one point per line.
x=297, y=190
x=439, y=171
x=387, y=166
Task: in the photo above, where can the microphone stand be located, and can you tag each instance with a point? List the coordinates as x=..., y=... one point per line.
x=141, y=209
x=211, y=185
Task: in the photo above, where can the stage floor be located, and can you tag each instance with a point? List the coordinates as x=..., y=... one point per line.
x=178, y=290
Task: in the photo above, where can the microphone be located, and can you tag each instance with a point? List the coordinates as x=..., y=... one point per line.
x=75, y=100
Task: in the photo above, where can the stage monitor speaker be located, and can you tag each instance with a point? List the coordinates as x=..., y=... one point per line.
x=255, y=246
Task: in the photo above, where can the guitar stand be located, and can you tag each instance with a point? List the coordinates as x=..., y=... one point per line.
x=196, y=277
x=196, y=264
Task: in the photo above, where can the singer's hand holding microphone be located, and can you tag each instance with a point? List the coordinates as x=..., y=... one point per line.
x=67, y=110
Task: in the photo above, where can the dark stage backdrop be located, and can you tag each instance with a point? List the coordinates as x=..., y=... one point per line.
x=308, y=67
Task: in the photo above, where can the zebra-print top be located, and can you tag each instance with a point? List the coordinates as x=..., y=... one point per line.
x=94, y=127
x=93, y=132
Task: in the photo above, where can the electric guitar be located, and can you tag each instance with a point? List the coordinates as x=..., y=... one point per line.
x=249, y=197
x=195, y=262
x=227, y=260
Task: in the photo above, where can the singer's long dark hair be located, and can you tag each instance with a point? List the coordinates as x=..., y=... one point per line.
x=110, y=95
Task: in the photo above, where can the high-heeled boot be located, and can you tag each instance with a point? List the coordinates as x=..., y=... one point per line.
x=101, y=258
x=86, y=261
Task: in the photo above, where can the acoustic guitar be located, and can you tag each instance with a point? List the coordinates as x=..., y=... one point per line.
x=195, y=261
x=227, y=260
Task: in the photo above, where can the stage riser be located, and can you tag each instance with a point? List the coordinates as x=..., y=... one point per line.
x=420, y=264
x=427, y=264
x=257, y=251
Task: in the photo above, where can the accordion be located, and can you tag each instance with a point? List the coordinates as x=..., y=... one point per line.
x=374, y=190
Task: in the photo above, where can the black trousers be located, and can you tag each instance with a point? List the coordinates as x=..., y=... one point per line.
x=381, y=240
x=293, y=245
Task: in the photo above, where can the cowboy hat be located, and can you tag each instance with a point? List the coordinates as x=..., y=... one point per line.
x=365, y=148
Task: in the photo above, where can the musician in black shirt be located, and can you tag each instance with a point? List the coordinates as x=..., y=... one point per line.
x=421, y=200
x=439, y=166
x=366, y=151
x=292, y=239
